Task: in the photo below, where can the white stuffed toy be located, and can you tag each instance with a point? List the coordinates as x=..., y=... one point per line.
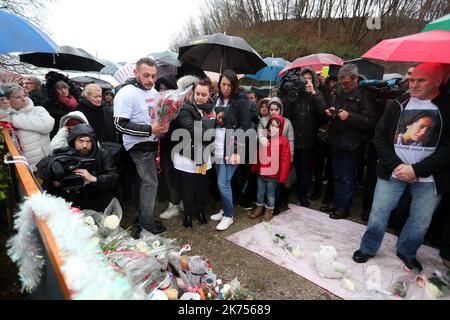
x=326, y=263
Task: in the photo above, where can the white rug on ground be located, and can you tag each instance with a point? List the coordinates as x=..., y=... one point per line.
x=310, y=229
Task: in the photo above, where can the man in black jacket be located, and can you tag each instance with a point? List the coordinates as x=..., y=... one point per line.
x=92, y=166
x=353, y=117
x=424, y=167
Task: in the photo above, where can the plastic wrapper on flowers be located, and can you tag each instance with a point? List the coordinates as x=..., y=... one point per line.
x=437, y=286
x=170, y=104
x=284, y=242
x=107, y=223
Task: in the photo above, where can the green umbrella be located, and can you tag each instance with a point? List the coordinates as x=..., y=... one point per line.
x=442, y=23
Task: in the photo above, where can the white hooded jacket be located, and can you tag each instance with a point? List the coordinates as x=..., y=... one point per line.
x=60, y=139
x=33, y=125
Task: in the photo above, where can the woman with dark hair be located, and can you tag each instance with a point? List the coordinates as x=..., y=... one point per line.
x=192, y=165
x=233, y=113
x=63, y=97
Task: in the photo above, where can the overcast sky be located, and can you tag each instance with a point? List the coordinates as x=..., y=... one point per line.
x=118, y=30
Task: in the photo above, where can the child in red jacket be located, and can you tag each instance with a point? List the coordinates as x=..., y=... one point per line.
x=272, y=168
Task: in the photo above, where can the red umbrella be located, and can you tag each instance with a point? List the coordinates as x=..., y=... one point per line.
x=314, y=61
x=432, y=46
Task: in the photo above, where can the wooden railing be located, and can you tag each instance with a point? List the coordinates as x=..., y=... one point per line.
x=30, y=188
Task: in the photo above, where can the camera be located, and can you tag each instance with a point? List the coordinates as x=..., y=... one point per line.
x=63, y=172
x=292, y=85
x=72, y=182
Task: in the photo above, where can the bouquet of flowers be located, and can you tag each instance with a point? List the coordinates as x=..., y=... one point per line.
x=401, y=286
x=282, y=241
x=437, y=286
x=170, y=104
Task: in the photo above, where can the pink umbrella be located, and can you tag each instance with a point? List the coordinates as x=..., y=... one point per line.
x=314, y=61
x=432, y=46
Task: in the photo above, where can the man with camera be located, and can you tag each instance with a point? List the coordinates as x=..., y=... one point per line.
x=83, y=173
x=305, y=106
x=353, y=117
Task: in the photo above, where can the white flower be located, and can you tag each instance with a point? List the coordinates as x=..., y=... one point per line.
x=433, y=290
x=295, y=251
x=219, y=282
x=226, y=289
x=348, y=284
x=89, y=221
x=94, y=228
x=112, y=222
x=143, y=247
x=156, y=244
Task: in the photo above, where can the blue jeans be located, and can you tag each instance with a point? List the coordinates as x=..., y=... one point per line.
x=344, y=172
x=225, y=173
x=387, y=195
x=145, y=161
x=266, y=187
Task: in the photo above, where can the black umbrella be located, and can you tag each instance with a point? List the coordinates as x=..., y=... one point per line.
x=85, y=80
x=67, y=58
x=218, y=52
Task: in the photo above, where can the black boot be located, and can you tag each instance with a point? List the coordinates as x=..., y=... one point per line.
x=202, y=219
x=187, y=221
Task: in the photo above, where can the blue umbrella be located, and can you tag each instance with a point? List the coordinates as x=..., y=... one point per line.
x=20, y=35
x=270, y=73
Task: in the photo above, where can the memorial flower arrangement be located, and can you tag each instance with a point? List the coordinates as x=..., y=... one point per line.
x=102, y=261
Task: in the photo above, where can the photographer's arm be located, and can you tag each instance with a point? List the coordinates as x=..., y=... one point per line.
x=109, y=176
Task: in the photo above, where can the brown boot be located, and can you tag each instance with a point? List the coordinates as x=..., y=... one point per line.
x=258, y=211
x=268, y=215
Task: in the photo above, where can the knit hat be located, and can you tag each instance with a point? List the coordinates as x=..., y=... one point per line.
x=73, y=122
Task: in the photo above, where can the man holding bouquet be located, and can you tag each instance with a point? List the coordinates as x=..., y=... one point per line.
x=135, y=117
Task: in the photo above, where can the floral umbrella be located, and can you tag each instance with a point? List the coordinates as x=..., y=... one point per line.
x=315, y=61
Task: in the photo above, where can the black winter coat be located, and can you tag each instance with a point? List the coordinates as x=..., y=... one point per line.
x=438, y=164
x=306, y=115
x=101, y=119
x=237, y=116
x=187, y=119
x=350, y=136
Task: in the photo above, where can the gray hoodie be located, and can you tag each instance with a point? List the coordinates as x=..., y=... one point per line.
x=288, y=131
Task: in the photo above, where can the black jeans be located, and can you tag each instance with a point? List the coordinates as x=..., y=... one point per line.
x=195, y=192
x=302, y=163
x=169, y=173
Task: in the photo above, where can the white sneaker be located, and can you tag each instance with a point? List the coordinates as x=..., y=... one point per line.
x=225, y=224
x=217, y=216
x=171, y=211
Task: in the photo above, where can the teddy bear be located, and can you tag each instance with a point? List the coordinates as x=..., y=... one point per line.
x=326, y=264
x=190, y=271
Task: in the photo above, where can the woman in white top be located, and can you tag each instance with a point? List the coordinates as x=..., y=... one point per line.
x=33, y=124
x=196, y=117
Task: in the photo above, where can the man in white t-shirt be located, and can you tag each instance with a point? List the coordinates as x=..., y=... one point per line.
x=413, y=143
x=135, y=117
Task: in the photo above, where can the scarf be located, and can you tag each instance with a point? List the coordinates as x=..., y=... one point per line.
x=69, y=102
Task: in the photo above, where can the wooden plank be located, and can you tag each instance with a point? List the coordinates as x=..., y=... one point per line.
x=30, y=188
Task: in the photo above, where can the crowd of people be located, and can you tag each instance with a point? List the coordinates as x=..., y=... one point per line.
x=88, y=146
